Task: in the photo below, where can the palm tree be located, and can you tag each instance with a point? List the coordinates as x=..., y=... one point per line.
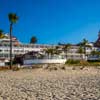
x=50, y=52
x=33, y=40
x=1, y=33
x=81, y=51
x=12, y=19
x=66, y=48
x=84, y=44
x=57, y=50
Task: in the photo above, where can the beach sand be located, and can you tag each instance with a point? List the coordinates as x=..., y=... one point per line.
x=40, y=84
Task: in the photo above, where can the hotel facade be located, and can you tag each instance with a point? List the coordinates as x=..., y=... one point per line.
x=19, y=48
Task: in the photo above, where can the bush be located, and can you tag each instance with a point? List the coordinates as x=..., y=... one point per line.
x=71, y=61
x=77, y=62
x=84, y=63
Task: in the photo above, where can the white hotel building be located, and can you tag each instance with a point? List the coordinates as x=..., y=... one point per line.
x=17, y=47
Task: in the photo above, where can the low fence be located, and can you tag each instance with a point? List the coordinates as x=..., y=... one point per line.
x=43, y=61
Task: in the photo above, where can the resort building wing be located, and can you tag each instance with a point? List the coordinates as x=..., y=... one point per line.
x=19, y=48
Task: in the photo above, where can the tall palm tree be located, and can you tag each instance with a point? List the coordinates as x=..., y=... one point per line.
x=12, y=19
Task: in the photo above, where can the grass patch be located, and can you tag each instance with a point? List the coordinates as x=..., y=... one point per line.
x=71, y=62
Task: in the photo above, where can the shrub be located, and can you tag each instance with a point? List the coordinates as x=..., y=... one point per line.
x=71, y=61
x=77, y=62
x=84, y=63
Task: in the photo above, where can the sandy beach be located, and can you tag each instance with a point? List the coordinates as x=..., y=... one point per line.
x=40, y=84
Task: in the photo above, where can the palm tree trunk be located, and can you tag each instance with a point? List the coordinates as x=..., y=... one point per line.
x=66, y=54
x=11, y=46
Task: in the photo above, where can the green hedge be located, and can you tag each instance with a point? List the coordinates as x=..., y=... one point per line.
x=82, y=63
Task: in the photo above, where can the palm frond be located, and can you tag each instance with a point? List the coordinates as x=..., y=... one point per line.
x=12, y=17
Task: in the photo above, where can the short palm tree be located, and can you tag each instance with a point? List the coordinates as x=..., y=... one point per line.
x=33, y=40
x=50, y=52
x=1, y=33
x=84, y=44
x=80, y=51
x=66, y=48
x=12, y=19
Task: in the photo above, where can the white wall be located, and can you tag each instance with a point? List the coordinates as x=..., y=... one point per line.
x=2, y=63
x=43, y=61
